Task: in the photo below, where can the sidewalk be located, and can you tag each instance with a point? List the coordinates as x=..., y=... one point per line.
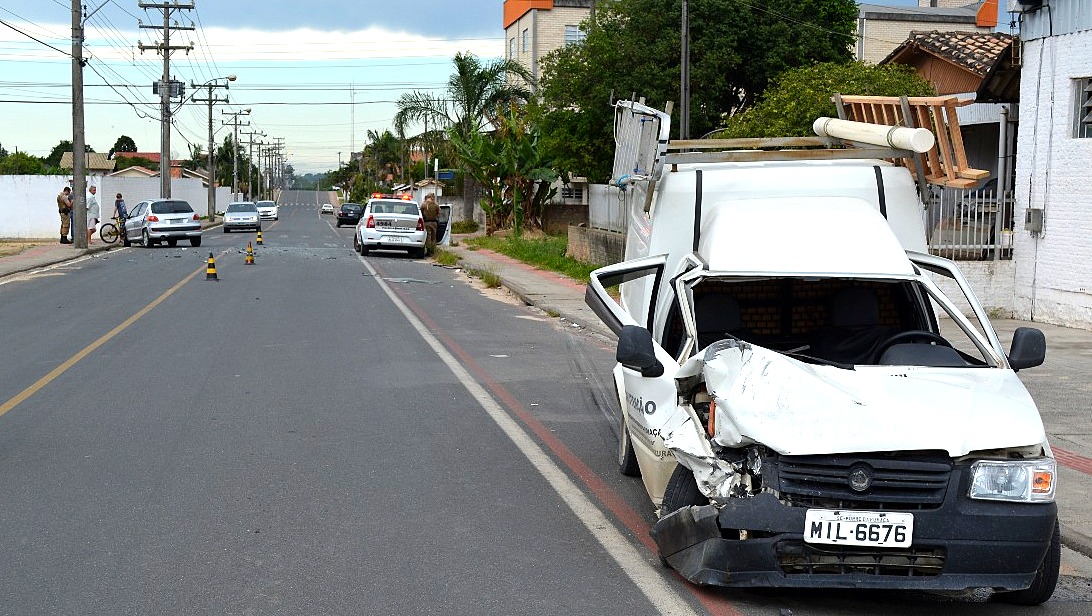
x=1060, y=386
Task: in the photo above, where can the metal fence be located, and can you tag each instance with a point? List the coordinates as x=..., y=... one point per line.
x=974, y=225
x=968, y=225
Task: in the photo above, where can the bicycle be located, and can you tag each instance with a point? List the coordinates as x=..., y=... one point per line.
x=111, y=231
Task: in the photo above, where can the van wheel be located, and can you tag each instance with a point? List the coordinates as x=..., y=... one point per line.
x=627, y=458
x=682, y=491
x=1046, y=577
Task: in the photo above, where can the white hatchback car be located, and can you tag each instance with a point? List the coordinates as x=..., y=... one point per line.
x=242, y=215
x=390, y=224
x=269, y=210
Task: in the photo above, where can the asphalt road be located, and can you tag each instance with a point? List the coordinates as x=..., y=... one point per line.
x=319, y=433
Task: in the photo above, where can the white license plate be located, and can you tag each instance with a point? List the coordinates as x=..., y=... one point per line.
x=394, y=239
x=176, y=221
x=869, y=528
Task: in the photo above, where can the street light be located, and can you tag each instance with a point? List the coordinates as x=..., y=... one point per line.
x=210, y=84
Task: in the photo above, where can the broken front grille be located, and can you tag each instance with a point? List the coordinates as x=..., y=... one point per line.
x=799, y=558
x=917, y=481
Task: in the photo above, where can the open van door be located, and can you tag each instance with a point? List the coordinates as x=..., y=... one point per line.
x=644, y=376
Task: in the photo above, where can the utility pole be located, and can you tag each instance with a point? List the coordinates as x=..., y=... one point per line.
x=210, y=84
x=684, y=77
x=235, y=147
x=250, y=163
x=78, y=215
x=165, y=85
x=280, y=161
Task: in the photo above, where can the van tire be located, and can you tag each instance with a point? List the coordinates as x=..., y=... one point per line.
x=627, y=458
x=1046, y=577
x=682, y=491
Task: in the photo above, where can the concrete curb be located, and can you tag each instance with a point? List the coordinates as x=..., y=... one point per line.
x=1075, y=540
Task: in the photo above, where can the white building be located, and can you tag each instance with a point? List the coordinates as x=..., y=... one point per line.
x=1054, y=164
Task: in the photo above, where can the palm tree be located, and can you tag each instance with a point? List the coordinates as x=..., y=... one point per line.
x=472, y=101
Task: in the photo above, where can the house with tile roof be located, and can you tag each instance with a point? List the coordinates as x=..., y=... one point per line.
x=978, y=67
x=97, y=164
x=176, y=165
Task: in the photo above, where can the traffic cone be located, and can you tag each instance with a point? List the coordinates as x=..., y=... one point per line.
x=259, y=237
x=210, y=271
x=249, y=254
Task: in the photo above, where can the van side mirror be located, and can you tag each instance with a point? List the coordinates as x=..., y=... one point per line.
x=637, y=352
x=1028, y=348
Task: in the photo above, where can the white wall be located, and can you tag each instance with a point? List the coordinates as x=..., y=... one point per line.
x=1054, y=268
x=28, y=203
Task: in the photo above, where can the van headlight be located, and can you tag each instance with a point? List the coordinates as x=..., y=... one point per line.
x=1022, y=481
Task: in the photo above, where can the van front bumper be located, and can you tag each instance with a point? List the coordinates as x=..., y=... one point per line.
x=962, y=544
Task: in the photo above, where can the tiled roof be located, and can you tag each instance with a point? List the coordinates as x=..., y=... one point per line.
x=978, y=52
x=95, y=161
x=152, y=156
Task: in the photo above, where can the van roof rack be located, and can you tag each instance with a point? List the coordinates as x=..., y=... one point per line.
x=643, y=146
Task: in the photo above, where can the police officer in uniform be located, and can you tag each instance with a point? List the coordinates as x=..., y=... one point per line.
x=430, y=211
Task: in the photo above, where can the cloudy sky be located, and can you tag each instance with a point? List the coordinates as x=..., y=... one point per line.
x=318, y=74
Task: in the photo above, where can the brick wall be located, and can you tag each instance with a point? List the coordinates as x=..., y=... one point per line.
x=1054, y=172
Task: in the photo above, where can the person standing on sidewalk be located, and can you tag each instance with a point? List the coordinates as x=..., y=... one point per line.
x=92, y=213
x=430, y=211
x=64, y=209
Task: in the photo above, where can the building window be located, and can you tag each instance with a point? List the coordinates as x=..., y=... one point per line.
x=512, y=47
x=526, y=39
x=1082, y=112
x=574, y=35
x=570, y=192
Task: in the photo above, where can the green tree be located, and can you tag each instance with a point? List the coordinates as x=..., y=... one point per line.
x=21, y=163
x=54, y=158
x=474, y=96
x=800, y=95
x=513, y=169
x=123, y=144
x=197, y=159
x=382, y=155
x=632, y=46
x=125, y=162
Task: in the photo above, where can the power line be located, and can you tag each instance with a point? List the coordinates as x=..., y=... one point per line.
x=37, y=40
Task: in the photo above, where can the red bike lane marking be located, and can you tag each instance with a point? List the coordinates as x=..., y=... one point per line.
x=629, y=518
x=1071, y=460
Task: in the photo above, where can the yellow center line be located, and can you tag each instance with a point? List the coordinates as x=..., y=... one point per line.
x=59, y=370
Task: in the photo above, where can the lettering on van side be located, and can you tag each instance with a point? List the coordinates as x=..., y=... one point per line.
x=638, y=404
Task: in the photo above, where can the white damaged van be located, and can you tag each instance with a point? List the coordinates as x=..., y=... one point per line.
x=808, y=402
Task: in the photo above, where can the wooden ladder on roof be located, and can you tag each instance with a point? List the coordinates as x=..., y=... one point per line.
x=944, y=165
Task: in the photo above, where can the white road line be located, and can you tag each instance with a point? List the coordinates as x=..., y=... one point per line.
x=645, y=576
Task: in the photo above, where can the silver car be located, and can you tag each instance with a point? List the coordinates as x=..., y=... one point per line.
x=268, y=210
x=242, y=215
x=390, y=224
x=163, y=220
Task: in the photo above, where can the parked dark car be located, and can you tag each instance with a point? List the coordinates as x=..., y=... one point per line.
x=349, y=214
